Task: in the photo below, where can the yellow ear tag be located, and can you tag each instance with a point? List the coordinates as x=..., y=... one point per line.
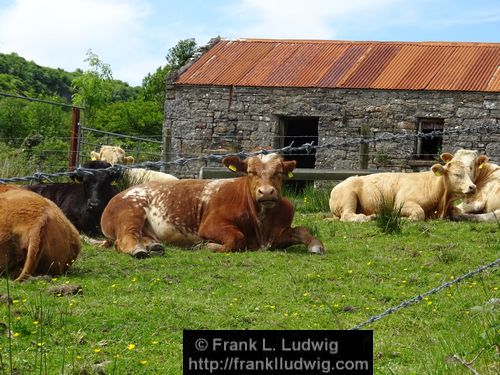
x=437, y=173
x=114, y=183
x=232, y=168
x=290, y=174
x=481, y=166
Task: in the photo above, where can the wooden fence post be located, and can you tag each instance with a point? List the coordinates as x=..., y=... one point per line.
x=73, y=152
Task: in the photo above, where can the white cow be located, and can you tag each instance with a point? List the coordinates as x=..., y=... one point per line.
x=136, y=176
x=112, y=154
x=484, y=204
x=423, y=195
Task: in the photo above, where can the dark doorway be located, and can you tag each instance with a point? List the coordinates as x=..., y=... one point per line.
x=429, y=148
x=298, y=131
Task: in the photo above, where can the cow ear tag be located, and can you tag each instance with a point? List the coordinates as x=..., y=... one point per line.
x=232, y=168
x=290, y=174
x=114, y=183
x=437, y=173
x=481, y=166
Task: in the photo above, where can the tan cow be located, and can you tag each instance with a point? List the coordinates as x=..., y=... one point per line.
x=35, y=236
x=420, y=196
x=484, y=204
x=243, y=213
x=136, y=176
x=112, y=154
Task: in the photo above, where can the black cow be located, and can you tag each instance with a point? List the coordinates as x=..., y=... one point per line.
x=83, y=201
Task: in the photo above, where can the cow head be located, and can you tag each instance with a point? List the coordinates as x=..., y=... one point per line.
x=265, y=175
x=98, y=185
x=456, y=177
x=471, y=159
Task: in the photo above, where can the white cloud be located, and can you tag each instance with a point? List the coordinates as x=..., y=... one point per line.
x=304, y=19
x=57, y=33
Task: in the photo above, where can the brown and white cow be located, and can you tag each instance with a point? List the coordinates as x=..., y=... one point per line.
x=420, y=196
x=243, y=213
x=484, y=204
x=35, y=236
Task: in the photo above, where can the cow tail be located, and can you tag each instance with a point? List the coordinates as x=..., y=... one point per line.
x=35, y=240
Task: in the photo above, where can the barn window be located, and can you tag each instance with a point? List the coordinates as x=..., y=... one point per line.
x=428, y=148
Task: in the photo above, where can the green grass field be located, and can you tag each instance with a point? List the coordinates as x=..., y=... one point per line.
x=129, y=316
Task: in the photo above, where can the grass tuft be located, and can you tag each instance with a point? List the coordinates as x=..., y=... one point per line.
x=389, y=219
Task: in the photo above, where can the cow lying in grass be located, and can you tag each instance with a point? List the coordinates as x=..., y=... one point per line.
x=112, y=155
x=244, y=213
x=83, y=201
x=35, y=236
x=420, y=196
x=484, y=204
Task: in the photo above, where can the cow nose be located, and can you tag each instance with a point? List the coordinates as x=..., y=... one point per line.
x=266, y=191
x=94, y=204
x=472, y=189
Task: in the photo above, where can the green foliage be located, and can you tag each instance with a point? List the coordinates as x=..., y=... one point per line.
x=17, y=75
x=93, y=89
x=136, y=117
x=388, y=217
x=311, y=200
x=130, y=315
x=154, y=84
x=19, y=119
x=179, y=54
x=41, y=131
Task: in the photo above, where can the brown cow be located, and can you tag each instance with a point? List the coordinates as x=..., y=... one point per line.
x=243, y=213
x=35, y=236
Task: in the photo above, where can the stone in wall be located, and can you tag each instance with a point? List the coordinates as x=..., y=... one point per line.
x=252, y=119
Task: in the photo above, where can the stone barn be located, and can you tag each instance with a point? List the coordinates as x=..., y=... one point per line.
x=239, y=94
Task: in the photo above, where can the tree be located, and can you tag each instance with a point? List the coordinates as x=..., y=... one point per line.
x=154, y=84
x=179, y=54
x=94, y=88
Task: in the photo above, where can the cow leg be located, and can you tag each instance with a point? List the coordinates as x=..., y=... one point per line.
x=412, y=211
x=129, y=236
x=299, y=235
x=130, y=243
x=32, y=260
x=357, y=218
x=223, y=239
x=33, y=245
x=349, y=208
x=153, y=247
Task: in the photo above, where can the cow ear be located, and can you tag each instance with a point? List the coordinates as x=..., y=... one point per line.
x=438, y=169
x=481, y=160
x=289, y=166
x=446, y=157
x=235, y=164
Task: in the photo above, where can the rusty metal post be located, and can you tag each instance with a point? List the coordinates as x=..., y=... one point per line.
x=73, y=152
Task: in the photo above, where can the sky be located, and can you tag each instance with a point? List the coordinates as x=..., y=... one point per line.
x=134, y=36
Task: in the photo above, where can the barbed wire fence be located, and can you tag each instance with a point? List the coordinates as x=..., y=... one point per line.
x=420, y=297
x=306, y=147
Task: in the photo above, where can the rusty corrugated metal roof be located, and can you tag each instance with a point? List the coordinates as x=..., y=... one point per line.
x=448, y=66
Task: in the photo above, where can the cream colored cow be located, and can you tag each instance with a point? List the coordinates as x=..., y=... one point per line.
x=484, y=204
x=423, y=195
x=112, y=154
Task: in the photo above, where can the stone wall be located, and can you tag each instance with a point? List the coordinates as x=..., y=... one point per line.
x=206, y=120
